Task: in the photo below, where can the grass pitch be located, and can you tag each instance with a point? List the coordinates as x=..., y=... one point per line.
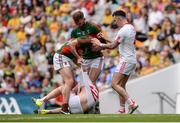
x=91, y=118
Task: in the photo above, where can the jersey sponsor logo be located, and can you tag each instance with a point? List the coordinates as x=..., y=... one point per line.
x=9, y=106
x=88, y=32
x=79, y=33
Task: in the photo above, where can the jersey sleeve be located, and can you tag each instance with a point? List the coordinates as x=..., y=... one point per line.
x=84, y=39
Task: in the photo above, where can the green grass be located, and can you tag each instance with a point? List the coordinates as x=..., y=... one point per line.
x=91, y=118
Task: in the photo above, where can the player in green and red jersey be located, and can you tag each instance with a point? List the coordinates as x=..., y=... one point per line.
x=93, y=59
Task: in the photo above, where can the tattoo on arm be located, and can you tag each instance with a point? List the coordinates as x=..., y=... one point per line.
x=111, y=45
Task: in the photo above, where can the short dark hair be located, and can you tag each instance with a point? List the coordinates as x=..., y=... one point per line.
x=119, y=13
x=77, y=15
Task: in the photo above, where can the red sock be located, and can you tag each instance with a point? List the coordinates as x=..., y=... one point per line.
x=65, y=106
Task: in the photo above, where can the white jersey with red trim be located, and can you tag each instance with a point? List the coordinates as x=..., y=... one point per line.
x=126, y=38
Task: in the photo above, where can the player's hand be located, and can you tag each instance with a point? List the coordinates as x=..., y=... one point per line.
x=100, y=35
x=96, y=45
x=80, y=61
x=95, y=42
x=96, y=48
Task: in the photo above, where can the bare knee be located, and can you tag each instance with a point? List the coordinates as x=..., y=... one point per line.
x=114, y=85
x=123, y=85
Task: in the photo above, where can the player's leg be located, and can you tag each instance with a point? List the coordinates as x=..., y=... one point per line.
x=69, y=81
x=68, y=78
x=89, y=94
x=120, y=78
x=52, y=111
x=54, y=93
x=122, y=100
x=87, y=99
x=119, y=81
x=122, y=109
x=95, y=68
x=63, y=64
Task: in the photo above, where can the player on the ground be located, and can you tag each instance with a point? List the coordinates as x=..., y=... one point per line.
x=82, y=101
x=125, y=39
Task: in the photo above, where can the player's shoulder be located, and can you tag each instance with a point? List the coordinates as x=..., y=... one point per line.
x=95, y=25
x=74, y=32
x=128, y=26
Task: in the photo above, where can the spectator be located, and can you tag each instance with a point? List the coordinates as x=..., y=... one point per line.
x=14, y=22
x=25, y=18
x=175, y=42
x=32, y=30
x=33, y=84
x=35, y=46
x=152, y=43
x=107, y=19
x=155, y=16
x=154, y=58
x=140, y=23
x=8, y=83
x=54, y=28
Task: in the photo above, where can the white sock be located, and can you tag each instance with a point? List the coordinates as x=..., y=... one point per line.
x=41, y=100
x=129, y=101
x=122, y=108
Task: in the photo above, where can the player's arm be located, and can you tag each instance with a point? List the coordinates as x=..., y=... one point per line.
x=72, y=45
x=99, y=33
x=111, y=45
x=101, y=36
x=84, y=39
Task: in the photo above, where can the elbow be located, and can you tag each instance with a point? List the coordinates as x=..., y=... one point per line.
x=112, y=47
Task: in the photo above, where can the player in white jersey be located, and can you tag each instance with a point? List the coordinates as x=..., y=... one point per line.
x=125, y=40
x=83, y=98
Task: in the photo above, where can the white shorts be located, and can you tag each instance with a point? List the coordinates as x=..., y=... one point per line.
x=125, y=67
x=61, y=61
x=94, y=63
x=75, y=104
x=92, y=97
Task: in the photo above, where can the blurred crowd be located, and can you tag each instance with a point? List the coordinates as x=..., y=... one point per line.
x=32, y=30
